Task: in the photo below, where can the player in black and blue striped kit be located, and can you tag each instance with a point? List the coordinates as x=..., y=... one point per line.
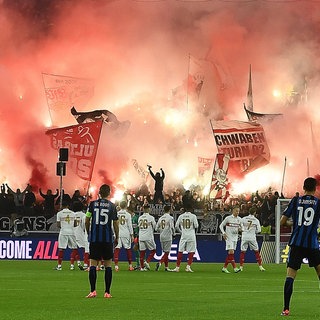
x=100, y=218
x=305, y=214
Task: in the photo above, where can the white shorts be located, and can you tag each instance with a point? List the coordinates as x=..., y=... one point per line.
x=231, y=244
x=124, y=242
x=83, y=243
x=166, y=245
x=251, y=243
x=148, y=244
x=189, y=246
x=65, y=241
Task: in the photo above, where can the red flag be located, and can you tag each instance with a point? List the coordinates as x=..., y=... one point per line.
x=219, y=182
x=244, y=142
x=82, y=141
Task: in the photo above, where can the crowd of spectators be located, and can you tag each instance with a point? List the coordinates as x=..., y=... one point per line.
x=265, y=203
x=15, y=204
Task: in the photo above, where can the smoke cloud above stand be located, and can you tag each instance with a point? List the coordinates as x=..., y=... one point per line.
x=137, y=52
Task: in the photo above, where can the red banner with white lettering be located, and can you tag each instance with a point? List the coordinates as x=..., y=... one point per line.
x=82, y=141
x=244, y=142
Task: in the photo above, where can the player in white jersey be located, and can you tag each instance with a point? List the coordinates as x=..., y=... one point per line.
x=230, y=227
x=187, y=224
x=81, y=235
x=147, y=225
x=66, y=222
x=165, y=226
x=125, y=236
x=250, y=226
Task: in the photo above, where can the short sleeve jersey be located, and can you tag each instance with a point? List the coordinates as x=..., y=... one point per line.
x=147, y=224
x=125, y=224
x=305, y=214
x=102, y=212
x=66, y=218
x=165, y=226
x=250, y=226
x=79, y=230
x=187, y=223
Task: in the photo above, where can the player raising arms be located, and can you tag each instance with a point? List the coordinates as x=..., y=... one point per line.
x=101, y=213
x=125, y=235
x=230, y=227
x=305, y=214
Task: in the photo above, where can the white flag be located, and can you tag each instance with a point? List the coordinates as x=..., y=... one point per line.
x=63, y=92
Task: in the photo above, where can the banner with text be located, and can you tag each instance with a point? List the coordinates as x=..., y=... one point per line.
x=204, y=164
x=63, y=92
x=46, y=248
x=244, y=142
x=82, y=141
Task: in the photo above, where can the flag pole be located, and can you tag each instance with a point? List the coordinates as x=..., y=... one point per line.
x=212, y=176
x=308, y=171
x=87, y=196
x=98, y=143
x=188, y=83
x=283, y=174
x=211, y=126
x=249, y=93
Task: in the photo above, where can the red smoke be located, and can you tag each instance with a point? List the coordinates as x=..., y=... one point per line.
x=137, y=52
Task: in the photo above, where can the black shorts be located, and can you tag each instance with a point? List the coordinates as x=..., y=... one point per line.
x=101, y=250
x=297, y=254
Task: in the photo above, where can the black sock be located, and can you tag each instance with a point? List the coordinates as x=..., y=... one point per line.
x=93, y=277
x=288, y=289
x=108, y=278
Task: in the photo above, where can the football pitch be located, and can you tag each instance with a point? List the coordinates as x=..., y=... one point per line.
x=33, y=290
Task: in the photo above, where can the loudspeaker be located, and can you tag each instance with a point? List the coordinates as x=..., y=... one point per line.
x=63, y=154
x=61, y=168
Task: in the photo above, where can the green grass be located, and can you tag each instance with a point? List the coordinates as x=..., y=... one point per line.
x=32, y=290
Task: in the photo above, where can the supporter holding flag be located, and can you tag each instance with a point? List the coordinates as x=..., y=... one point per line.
x=158, y=186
